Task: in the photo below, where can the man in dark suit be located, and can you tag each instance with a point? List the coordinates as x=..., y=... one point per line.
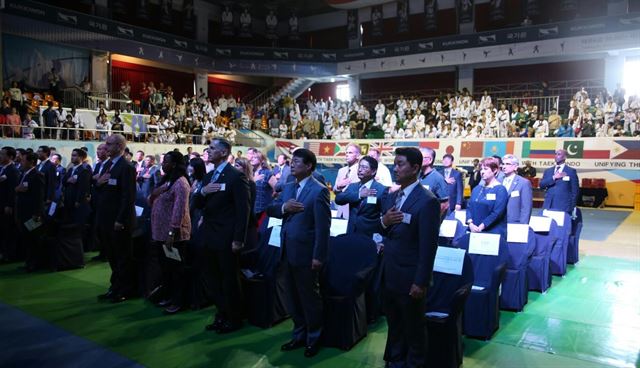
x=30, y=206
x=9, y=176
x=474, y=176
x=304, y=209
x=48, y=169
x=148, y=176
x=561, y=185
x=364, y=199
x=454, y=183
x=76, y=185
x=115, y=219
x=101, y=166
x=56, y=160
x=224, y=200
x=410, y=224
x=519, y=190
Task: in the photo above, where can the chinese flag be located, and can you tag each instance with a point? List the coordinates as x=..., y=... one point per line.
x=471, y=149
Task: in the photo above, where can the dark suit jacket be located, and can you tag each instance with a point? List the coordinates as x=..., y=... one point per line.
x=364, y=218
x=561, y=195
x=50, y=180
x=474, y=178
x=8, y=186
x=31, y=202
x=76, y=193
x=520, y=204
x=147, y=185
x=116, y=202
x=304, y=235
x=410, y=249
x=226, y=213
x=455, y=190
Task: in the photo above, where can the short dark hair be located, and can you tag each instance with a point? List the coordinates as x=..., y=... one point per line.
x=450, y=156
x=11, y=152
x=45, y=149
x=497, y=157
x=31, y=157
x=224, y=143
x=59, y=156
x=199, y=168
x=21, y=151
x=413, y=155
x=80, y=152
x=307, y=157
x=373, y=163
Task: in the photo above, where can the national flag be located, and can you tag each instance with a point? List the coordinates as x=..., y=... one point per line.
x=385, y=148
x=430, y=144
x=340, y=148
x=499, y=148
x=575, y=149
x=313, y=147
x=471, y=149
x=631, y=152
x=538, y=149
x=407, y=144
x=286, y=146
x=327, y=149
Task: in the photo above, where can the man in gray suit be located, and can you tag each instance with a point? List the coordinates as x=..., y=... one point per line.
x=304, y=209
x=519, y=190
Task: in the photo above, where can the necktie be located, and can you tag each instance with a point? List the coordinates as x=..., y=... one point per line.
x=558, y=169
x=215, y=176
x=398, y=200
x=297, y=191
x=447, y=172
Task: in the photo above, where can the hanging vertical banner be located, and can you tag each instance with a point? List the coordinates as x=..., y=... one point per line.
x=376, y=21
x=165, y=12
x=226, y=21
x=403, y=16
x=294, y=31
x=352, y=24
x=464, y=8
x=246, y=29
x=531, y=8
x=142, y=11
x=271, y=23
x=430, y=15
x=497, y=9
x=188, y=18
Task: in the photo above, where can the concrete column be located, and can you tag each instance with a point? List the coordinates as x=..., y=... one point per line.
x=613, y=71
x=202, y=81
x=354, y=86
x=464, y=77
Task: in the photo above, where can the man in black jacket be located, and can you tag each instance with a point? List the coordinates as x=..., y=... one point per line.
x=225, y=202
x=9, y=176
x=115, y=218
x=29, y=210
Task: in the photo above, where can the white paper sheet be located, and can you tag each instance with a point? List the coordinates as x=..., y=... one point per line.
x=461, y=216
x=484, y=243
x=338, y=227
x=449, y=260
x=436, y=315
x=274, y=222
x=139, y=211
x=556, y=215
x=171, y=253
x=475, y=287
x=274, y=239
x=32, y=224
x=540, y=224
x=334, y=213
x=52, y=208
x=448, y=228
x=372, y=200
x=517, y=233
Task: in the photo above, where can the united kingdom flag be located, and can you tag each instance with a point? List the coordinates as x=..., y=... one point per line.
x=385, y=148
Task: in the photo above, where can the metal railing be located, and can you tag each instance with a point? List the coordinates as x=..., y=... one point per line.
x=151, y=136
x=74, y=96
x=545, y=103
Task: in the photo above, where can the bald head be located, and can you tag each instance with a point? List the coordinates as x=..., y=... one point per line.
x=116, y=144
x=561, y=156
x=428, y=156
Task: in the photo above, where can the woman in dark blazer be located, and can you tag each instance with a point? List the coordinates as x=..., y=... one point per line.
x=487, y=209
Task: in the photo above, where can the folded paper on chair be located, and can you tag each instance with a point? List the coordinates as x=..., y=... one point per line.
x=32, y=224
x=172, y=253
x=274, y=222
x=448, y=228
x=556, y=215
x=139, y=211
x=484, y=243
x=540, y=224
x=517, y=233
x=461, y=216
x=449, y=260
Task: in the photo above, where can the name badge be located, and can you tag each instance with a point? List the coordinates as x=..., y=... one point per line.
x=491, y=196
x=372, y=200
x=113, y=182
x=426, y=187
x=406, y=218
x=566, y=178
x=75, y=177
x=25, y=184
x=515, y=193
x=223, y=187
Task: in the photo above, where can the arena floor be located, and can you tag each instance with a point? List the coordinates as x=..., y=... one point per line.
x=589, y=318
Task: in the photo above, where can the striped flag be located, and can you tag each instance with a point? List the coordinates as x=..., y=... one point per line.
x=313, y=147
x=538, y=149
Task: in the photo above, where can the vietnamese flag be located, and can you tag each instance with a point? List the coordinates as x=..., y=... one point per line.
x=471, y=149
x=327, y=149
